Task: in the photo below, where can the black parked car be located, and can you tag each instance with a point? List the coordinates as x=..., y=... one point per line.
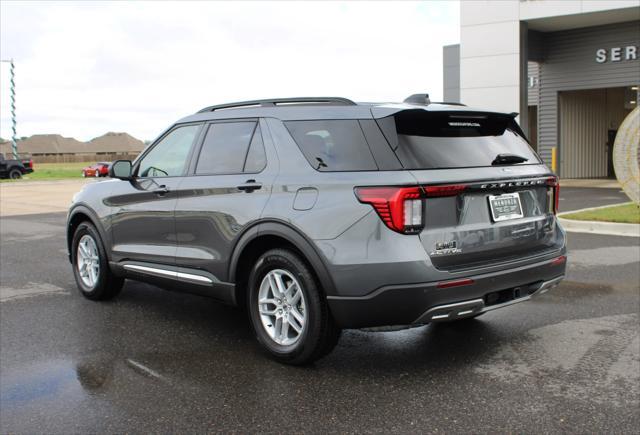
x=319, y=214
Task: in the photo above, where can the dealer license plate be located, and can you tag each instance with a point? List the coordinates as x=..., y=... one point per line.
x=505, y=207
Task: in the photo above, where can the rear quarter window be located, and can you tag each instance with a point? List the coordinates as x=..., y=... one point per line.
x=333, y=145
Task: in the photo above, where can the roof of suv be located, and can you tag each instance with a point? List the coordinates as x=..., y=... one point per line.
x=306, y=108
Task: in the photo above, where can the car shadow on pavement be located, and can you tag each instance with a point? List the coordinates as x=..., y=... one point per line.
x=191, y=328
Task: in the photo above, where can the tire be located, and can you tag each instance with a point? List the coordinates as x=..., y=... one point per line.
x=103, y=284
x=15, y=174
x=318, y=334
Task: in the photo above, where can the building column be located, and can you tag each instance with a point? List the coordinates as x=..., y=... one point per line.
x=524, y=79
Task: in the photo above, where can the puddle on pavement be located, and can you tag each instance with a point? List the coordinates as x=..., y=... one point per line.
x=30, y=290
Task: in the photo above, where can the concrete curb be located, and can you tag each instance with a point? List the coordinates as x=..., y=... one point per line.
x=594, y=227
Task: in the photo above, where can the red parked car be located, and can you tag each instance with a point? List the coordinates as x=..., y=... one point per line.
x=100, y=169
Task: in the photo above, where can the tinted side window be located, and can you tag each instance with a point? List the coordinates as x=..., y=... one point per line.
x=168, y=157
x=225, y=148
x=256, y=158
x=334, y=145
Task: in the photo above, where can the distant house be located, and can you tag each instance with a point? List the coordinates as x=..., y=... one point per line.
x=56, y=148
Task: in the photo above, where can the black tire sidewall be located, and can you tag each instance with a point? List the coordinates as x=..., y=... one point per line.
x=15, y=174
x=99, y=289
x=286, y=260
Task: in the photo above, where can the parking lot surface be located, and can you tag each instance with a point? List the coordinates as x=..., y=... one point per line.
x=34, y=197
x=161, y=361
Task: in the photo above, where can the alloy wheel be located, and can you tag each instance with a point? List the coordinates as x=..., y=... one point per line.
x=88, y=261
x=282, y=307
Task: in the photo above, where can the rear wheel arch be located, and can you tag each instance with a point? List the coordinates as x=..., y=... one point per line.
x=264, y=237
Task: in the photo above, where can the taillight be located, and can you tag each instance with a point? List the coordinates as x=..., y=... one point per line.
x=400, y=208
x=445, y=190
x=554, y=183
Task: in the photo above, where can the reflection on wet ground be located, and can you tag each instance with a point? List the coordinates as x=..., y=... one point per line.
x=160, y=361
x=155, y=357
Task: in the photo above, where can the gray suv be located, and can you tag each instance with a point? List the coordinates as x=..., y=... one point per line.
x=319, y=214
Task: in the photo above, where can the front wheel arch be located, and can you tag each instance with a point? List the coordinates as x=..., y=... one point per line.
x=76, y=217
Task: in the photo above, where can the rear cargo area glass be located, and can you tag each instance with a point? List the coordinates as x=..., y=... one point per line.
x=441, y=140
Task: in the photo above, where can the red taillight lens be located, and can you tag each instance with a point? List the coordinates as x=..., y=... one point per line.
x=400, y=208
x=444, y=190
x=554, y=183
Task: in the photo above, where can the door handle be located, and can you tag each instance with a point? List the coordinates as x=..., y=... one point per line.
x=249, y=186
x=161, y=190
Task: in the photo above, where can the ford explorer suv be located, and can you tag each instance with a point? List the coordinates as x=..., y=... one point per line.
x=320, y=214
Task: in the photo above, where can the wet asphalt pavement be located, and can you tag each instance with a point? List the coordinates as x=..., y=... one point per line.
x=157, y=361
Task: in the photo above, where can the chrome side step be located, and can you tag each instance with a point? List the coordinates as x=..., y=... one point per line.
x=171, y=274
x=461, y=310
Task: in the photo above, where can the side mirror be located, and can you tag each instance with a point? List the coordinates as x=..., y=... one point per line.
x=121, y=169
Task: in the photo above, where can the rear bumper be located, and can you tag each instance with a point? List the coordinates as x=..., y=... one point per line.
x=462, y=310
x=427, y=302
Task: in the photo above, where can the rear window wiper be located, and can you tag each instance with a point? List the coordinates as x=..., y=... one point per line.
x=505, y=159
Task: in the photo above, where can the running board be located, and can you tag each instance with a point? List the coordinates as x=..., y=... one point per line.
x=194, y=281
x=472, y=308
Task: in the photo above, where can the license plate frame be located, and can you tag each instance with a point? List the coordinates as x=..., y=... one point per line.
x=510, y=208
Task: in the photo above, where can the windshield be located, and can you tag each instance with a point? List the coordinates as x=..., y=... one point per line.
x=439, y=140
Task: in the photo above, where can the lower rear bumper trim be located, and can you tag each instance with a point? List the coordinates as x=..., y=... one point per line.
x=461, y=310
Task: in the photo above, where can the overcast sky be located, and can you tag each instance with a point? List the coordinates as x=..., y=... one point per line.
x=83, y=69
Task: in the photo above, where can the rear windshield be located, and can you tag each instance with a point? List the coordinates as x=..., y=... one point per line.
x=333, y=145
x=439, y=140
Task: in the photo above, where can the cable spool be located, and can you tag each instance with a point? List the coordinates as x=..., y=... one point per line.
x=626, y=159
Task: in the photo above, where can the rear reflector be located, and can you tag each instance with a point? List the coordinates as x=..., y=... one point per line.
x=560, y=260
x=455, y=283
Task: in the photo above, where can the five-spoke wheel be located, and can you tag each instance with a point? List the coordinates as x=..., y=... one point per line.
x=288, y=308
x=88, y=261
x=282, y=307
x=90, y=266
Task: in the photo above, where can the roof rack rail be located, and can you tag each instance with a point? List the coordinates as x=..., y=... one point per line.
x=281, y=101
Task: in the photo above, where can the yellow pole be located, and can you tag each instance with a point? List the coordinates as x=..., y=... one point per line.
x=554, y=159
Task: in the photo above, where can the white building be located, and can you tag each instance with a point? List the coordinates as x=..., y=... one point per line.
x=570, y=68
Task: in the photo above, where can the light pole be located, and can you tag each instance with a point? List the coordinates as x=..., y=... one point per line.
x=14, y=138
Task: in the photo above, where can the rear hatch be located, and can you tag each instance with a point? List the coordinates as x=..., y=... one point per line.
x=487, y=197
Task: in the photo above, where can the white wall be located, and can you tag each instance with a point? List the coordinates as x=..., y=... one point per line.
x=489, y=55
x=491, y=65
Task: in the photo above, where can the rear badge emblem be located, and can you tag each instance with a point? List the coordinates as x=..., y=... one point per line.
x=446, y=248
